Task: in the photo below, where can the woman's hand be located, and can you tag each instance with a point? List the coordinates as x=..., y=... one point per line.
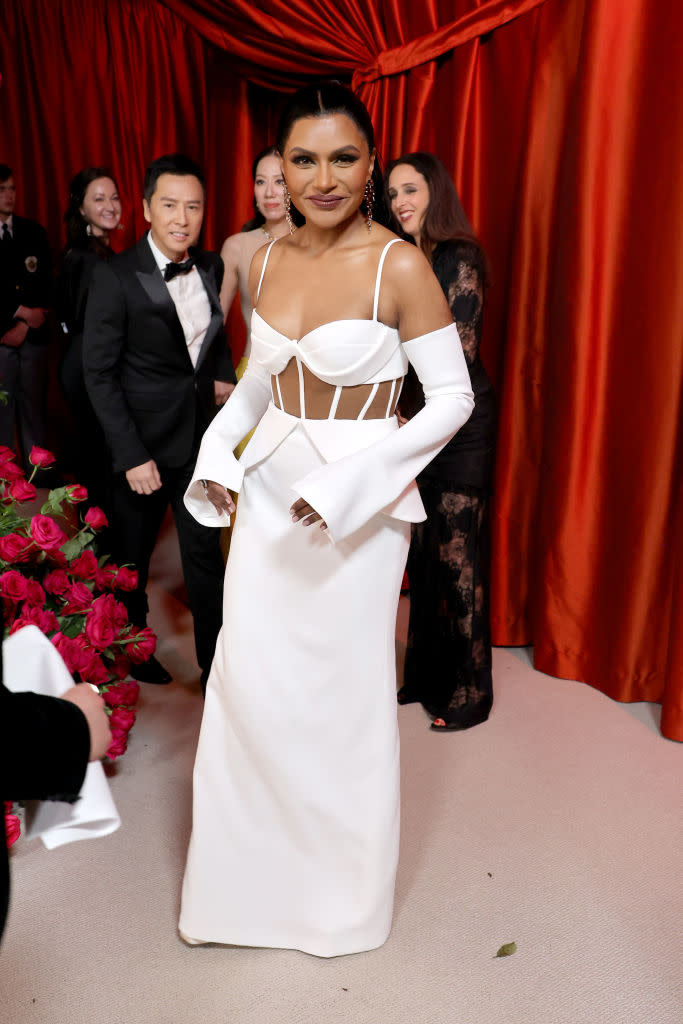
x=301, y=511
x=219, y=497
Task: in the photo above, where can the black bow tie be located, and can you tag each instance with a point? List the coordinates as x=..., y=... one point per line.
x=173, y=269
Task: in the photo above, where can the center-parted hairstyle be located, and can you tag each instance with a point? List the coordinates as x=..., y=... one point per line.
x=321, y=99
x=258, y=219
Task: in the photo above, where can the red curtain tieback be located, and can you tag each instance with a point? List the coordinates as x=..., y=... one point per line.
x=425, y=48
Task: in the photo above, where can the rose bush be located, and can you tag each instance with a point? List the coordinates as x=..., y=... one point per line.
x=57, y=582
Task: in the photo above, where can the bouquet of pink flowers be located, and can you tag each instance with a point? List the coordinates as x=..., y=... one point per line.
x=57, y=583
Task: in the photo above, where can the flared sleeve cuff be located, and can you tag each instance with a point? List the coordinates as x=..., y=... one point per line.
x=216, y=460
x=349, y=491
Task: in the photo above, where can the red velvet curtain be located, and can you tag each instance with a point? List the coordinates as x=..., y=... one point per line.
x=562, y=124
x=114, y=82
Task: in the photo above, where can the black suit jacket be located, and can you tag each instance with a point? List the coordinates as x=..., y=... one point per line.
x=25, y=274
x=152, y=403
x=44, y=754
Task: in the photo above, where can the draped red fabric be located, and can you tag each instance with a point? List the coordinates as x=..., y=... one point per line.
x=562, y=125
x=95, y=82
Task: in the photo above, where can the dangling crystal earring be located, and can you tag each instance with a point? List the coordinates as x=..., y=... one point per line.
x=369, y=200
x=288, y=208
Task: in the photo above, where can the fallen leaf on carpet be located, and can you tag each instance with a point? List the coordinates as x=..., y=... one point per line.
x=508, y=949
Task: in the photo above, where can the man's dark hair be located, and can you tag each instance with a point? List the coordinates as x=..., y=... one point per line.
x=5, y=172
x=171, y=163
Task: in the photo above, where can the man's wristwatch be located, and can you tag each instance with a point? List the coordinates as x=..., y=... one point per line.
x=205, y=485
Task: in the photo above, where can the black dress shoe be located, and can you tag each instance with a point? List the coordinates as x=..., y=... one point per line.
x=151, y=671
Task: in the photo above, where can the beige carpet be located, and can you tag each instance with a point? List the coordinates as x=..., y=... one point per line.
x=556, y=825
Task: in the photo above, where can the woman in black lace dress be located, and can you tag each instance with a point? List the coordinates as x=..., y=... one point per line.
x=448, y=657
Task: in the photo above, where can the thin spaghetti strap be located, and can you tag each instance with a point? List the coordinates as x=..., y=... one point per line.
x=379, y=275
x=263, y=268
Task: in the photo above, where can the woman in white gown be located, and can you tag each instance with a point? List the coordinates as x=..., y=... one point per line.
x=296, y=793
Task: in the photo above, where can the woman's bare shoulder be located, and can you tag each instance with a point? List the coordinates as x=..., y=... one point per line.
x=240, y=244
x=406, y=264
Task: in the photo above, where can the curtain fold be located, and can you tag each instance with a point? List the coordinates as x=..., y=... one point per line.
x=562, y=125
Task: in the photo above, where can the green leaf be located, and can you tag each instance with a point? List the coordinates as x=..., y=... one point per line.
x=53, y=505
x=72, y=625
x=507, y=950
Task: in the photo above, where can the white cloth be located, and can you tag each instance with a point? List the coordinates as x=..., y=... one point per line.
x=296, y=782
x=31, y=662
x=190, y=300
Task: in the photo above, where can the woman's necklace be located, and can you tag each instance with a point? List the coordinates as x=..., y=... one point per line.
x=266, y=232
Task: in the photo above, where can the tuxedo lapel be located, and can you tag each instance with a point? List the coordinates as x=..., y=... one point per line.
x=152, y=280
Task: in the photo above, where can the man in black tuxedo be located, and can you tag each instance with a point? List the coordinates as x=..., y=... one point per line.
x=157, y=364
x=24, y=335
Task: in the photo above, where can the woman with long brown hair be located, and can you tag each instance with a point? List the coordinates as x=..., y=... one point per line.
x=448, y=656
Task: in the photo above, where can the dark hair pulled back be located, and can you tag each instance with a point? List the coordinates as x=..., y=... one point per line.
x=321, y=99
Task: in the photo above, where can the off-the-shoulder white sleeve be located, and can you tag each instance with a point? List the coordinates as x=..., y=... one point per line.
x=216, y=459
x=348, y=492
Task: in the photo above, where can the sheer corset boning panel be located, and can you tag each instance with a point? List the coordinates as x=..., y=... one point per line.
x=299, y=392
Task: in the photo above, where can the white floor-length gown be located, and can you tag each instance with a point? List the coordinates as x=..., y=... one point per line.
x=296, y=782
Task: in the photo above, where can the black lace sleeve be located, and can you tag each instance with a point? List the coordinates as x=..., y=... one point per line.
x=459, y=268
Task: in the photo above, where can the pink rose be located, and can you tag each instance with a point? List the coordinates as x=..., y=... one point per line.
x=17, y=625
x=95, y=518
x=85, y=566
x=104, y=621
x=118, y=745
x=6, y=454
x=45, y=620
x=105, y=578
x=14, y=585
x=12, y=825
x=76, y=492
x=10, y=471
x=75, y=657
x=142, y=646
x=95, y=671
x=66, y=648
x=122, y=718
x=40, y=457
x=122, y=693
x=15, y=548
x=126, y=579
x=57, y=582
x=82, y=654
x=22, y=490
x=79, y=598
x=99, y=630
x=46, y=533
x=35, y=594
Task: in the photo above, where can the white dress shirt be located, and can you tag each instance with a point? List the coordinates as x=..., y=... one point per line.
x=190, y=300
